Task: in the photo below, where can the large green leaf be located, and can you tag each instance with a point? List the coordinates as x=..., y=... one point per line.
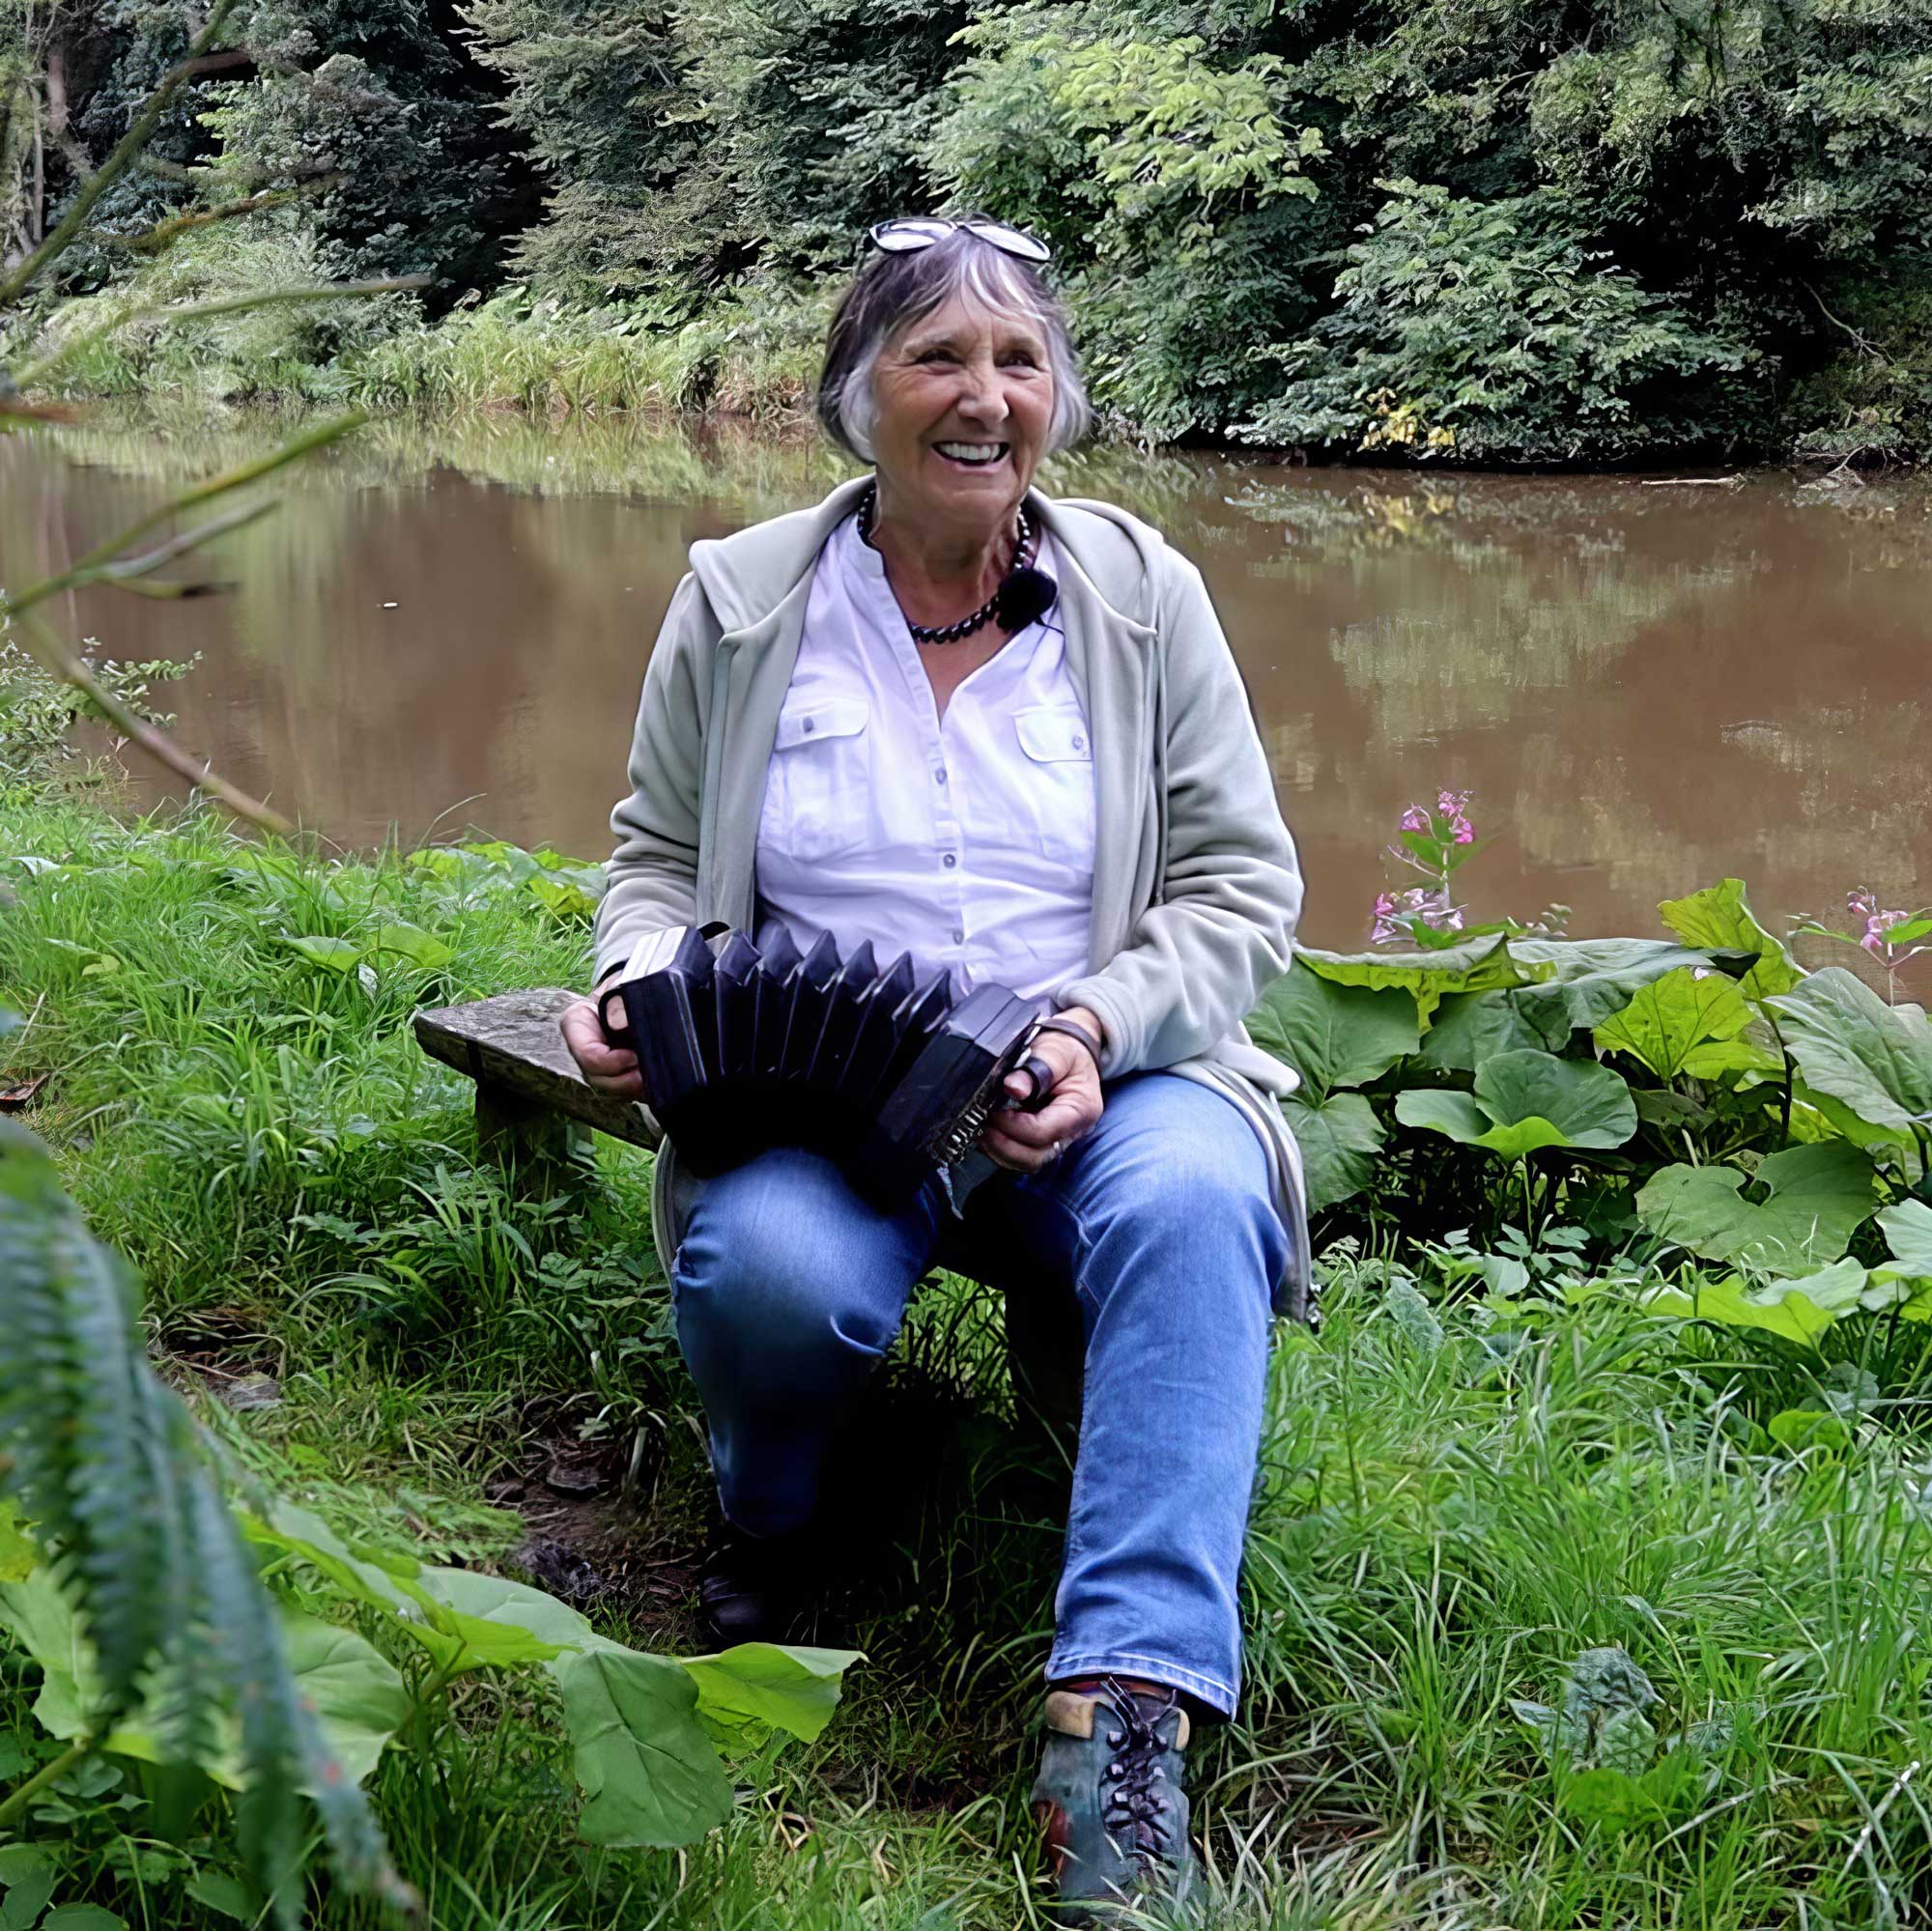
x=1720, y=917
x=1672, y=1016
x=1527, y=1100
x=1816, y=1197
x=1472, y=966
x=399, y=939
x=649, y=1773
x=1798, y=1310
x=1873, y=1059
x=747, y=1691
x=1333, y=1035
x=357, y=1691
x=1470, y=1027
x=1908, y=1234
x=1339, y=1138
x=485, y=1609
x=1586, y=980
x=337, y=954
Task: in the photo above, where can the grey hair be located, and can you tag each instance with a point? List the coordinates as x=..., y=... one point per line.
x=892, y=291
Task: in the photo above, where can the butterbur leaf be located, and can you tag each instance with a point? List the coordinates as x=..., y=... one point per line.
x=746, y=1693
x=83, y=1918
x=1717, y=1058
x=1816, y=1197
x=1471, y=1026
x=337, y=954
x=1873, y=1059
x=649, y=1773
x=495, y=1622
x=1798, y=1311
x=1588, y=981
x=1906, y=1226
x=1721, y=916
x=1471, y=966
x=1525, y=1101
x=399, y=939
x=1339, y=1138
x=1668, y=1020
x=356, y=1692
x=1333, y=1035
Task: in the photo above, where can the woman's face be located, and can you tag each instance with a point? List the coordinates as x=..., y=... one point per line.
x=962, y=403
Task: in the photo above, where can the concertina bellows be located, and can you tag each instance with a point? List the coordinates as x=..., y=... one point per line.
x=746, y=1044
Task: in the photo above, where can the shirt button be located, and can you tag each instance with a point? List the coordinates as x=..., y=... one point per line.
x=1079, y=744
x=939, y=775
x=812, y=724
x=948, y=861
x=958, y=935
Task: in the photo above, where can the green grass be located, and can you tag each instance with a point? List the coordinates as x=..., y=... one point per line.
x=1451, y=1512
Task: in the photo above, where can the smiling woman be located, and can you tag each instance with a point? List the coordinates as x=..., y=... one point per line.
x=945, y=716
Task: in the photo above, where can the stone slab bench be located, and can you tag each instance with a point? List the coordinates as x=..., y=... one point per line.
x=530, y=1093
x=533, y=1109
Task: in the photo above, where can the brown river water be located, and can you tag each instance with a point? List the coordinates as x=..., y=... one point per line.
x=1646, y=685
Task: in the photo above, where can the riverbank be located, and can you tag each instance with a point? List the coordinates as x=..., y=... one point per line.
x=752, y=358
x=1490, y=1470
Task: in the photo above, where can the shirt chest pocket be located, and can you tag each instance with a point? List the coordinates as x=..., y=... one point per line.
x=1055, y=811
x=819, y=789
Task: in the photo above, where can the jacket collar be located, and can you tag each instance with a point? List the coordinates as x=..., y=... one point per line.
x=746, y=576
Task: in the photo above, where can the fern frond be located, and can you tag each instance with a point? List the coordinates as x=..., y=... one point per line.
x=108, y=1463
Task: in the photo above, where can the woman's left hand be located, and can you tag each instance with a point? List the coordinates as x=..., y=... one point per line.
x=1026, y=1142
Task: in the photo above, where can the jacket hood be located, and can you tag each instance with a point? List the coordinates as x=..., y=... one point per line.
x=748, y=575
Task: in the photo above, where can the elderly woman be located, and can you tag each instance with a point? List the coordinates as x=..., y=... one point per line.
x=947, y=714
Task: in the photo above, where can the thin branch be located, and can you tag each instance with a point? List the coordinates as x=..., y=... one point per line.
x=36, y=374
x=60, y=662
x=189, y=539
x=166, y=234
x=199, y=61
x=93, y=566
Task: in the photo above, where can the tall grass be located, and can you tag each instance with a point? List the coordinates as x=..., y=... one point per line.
x=751, y=353
x=1455, y=1504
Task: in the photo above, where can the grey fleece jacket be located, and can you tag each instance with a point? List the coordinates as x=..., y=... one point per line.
x=1196, y=890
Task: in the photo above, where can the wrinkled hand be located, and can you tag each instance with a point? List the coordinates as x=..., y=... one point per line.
x=608, y=1068
x=1026, y=1142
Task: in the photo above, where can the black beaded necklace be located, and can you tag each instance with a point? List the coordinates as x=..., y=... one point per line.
x=1024, y=594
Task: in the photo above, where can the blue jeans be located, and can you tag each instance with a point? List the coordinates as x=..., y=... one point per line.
x=789, y=1289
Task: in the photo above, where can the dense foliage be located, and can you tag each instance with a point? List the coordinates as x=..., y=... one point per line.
x=1592, y=1528
x=1511, y=231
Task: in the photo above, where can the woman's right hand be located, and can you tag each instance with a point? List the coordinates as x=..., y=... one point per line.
x=609, y=1068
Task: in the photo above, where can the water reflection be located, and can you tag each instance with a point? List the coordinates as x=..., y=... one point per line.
x=1645, y=687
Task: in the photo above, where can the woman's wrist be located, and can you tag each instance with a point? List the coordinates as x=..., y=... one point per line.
x=1077, y=1022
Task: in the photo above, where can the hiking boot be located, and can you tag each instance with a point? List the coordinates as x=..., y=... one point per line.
x=754, y=1589
x=1109, y=1799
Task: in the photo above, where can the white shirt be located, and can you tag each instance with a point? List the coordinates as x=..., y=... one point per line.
x=966, y=840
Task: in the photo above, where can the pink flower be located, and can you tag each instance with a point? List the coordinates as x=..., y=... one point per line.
x=1415, y=819
x=1878, y=922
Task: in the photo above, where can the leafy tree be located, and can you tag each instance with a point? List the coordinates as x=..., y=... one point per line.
x=1170, y=183
x=1488, y=331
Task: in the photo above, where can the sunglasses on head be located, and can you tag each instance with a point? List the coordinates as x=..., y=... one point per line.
x=912, y=232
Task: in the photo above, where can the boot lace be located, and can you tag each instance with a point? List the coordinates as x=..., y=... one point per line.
x=1132, y=1777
